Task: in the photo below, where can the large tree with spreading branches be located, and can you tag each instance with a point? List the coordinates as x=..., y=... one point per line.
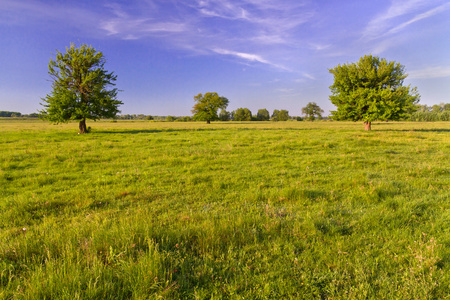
x=371, y=89
x=312, y=110
x=81, y=88
x=206, y=107
x=263, y=115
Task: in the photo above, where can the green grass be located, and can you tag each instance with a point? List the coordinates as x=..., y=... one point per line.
x=143, y=210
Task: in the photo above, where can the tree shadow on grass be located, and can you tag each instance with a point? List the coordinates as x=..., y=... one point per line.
x=418, y=130
x=137, y=131
x=375, y=126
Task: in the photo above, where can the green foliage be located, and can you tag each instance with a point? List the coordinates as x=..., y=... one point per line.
x=434, y=113
x=371, y=89
x=312, y=110
x=280, y=115
x=80, y=88
x=273, y=210
x=445, y=106
x=170, y=118
x=283, y=115
x=224, y=115
x=184, y=119
x=136, y=117
x=275, y=115
x=206, y=106
x=263, y=115
x=430, y=116
x=9, y=114
x=436, y=108
x=242, y=114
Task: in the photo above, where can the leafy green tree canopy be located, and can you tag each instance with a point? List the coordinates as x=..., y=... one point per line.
x=312, y=110
x=280, y=115
x=9, y=114
x=275, y=115
x=263, y=115
x=206, y=106
x=224, y=115
x=371, y=89
x=436, y=108
x=80, y=88
x=242, y=114
x=283, y=115
x=445, y=106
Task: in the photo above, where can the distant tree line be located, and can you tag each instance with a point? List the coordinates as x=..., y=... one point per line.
x=153, y=118
x=245, y=114
x=311, y=112
x=14, y=114
x=437, y=112
x=10, y=114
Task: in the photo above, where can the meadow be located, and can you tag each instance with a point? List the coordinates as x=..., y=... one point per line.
x=257, y=210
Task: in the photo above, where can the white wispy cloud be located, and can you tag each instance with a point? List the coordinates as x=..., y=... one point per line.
x=250, y=58
x=309, y=76
x=284, y=90
x=28, y=11
x=399, y=15
x=419, y=17
x=305, y=78
x=265, y=22
x=271, y=39
x=140, y=27
x=221, y=9
x=204, y=26
x=131, y=26
x=266, y=27
x=431, y=72
x=319, y=47
x=246, y=56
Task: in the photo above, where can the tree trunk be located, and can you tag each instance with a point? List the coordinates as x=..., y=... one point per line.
x=82, y=126
x=367, y=126
x=208, y=122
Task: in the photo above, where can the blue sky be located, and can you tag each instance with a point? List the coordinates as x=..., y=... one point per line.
x=272, y=54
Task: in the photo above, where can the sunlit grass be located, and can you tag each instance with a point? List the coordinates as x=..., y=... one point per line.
x=228, y=210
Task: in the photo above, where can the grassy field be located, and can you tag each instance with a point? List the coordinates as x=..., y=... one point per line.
x=302, y=210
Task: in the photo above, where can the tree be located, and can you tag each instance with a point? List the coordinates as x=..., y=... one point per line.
x=80, y=88
x=224, y=115
x=9, y=114
x=311, y=110
x=263, y=115
x=275, y=115
x=446, y=106
x=242, y=114
x=283, y=115
x=184, y=119
x=371, y=89
x=436, y=108
x=422, y=108
x=206, y=106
